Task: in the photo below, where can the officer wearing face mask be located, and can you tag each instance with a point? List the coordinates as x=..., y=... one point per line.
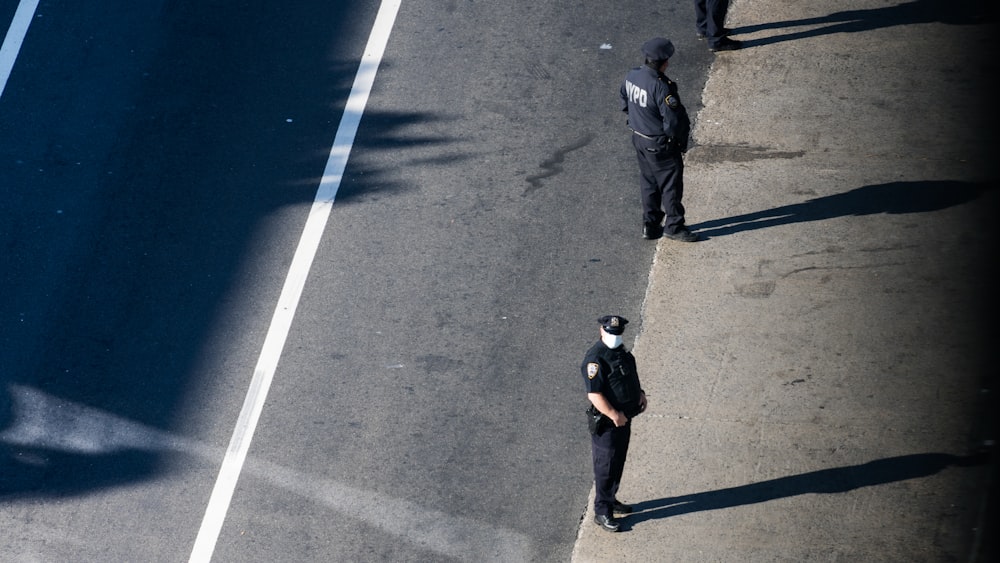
x=616, y=396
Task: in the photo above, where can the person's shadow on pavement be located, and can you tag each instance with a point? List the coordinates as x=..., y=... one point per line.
x=836, y=480
x=955, y=12
x=894, y=198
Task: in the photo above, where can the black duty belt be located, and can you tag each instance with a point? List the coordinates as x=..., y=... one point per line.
x=644, y=136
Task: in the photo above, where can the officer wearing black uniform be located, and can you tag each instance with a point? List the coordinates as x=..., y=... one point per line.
x=660, y=129
x=616, y=396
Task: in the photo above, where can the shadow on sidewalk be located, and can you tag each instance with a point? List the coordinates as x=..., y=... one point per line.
x=894, y=198
x=955, y=12
x=837, y=480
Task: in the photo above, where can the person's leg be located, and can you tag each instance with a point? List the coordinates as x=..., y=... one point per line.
x=715, y=16
x=602, y=450
x=716, y=31
x=672, y=179
x=701, y=17
x=619, y=443
x=650, y=193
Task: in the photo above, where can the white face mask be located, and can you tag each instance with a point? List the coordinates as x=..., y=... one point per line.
x=611, y=340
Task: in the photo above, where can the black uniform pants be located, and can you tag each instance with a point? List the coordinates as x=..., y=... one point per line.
x=710, y=18
x=609, y=449
x=661, y=186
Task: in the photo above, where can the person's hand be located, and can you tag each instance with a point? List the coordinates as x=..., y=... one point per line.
x=619, y=419
x=642, y=403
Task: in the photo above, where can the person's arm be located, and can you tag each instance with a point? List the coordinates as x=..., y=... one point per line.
x=671, y=121
x=602, y=405
x=676, y=123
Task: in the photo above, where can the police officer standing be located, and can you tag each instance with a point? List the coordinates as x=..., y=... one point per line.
x=660, y=129
x=616, y=396
x=710, y=19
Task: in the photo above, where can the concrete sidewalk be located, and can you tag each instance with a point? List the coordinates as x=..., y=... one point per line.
x=817, y=367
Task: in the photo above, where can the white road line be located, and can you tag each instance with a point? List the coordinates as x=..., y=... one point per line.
x=15, y=36
x=274, y=342
x=40, y=422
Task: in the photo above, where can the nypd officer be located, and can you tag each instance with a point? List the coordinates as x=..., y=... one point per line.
x=615, y=395
x=660, y=128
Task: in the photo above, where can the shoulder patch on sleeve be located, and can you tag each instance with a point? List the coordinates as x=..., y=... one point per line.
x=672, y=101
x=592, y=369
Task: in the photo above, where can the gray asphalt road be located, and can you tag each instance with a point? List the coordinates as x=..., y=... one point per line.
x=158, y=162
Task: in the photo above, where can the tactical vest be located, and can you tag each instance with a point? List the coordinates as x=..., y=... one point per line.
x=623, y=382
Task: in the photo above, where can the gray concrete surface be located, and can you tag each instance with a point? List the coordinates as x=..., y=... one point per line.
x=818, y=367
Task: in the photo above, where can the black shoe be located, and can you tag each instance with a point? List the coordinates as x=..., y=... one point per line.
x=607, y=522
x=726, y=44
x=725, y=33
x=651, y=231
x=621, y=508
x=682, y=235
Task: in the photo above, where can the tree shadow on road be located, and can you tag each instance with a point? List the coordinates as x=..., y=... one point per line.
x=825, y=481
x=892, y=198
x=954, y=12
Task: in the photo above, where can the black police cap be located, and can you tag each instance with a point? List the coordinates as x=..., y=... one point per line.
x=613, y=324
x=658, y=49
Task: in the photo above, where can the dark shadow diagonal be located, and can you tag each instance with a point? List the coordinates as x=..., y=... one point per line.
x=892, y=198
x=825, y=481
x=958, y=12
